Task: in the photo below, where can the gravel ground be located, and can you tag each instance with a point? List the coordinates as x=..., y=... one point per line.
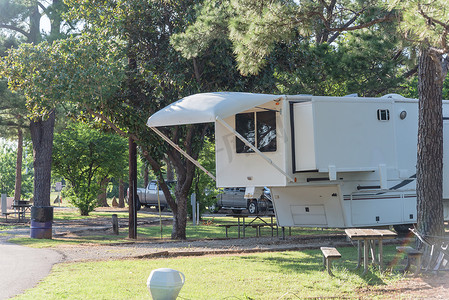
x=192, y=248
x=158, y=248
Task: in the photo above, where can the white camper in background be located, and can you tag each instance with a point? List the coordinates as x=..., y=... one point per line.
x=329, y=161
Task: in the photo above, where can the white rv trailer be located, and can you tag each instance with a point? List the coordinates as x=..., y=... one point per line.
x=329, y=161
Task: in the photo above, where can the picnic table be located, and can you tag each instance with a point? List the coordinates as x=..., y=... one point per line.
x=21, y=208
x=369, y=237
x=253, y=218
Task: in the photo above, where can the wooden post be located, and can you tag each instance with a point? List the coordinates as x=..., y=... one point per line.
x=115, y=224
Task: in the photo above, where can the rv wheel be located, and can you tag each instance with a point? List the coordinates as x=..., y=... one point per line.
x=403, y=229
x=252, y=207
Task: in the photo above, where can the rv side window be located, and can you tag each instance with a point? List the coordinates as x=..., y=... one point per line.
x=383, y=114
x=244, y=124
x=266, y=131
x=259, y=129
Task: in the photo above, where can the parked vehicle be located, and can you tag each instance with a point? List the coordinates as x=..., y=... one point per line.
x=233, y=198
x=149, y=196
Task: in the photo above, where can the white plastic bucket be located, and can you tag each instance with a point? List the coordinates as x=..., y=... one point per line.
x=165, y=283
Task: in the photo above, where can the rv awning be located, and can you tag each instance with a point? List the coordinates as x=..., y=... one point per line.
x=206, y=107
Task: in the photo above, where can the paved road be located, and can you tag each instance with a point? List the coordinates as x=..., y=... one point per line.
x=22, y=268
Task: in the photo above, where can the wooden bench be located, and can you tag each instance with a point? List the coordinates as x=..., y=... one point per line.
x=258, y=226
x=18, y=213
x=227, y=226
x=329, y=254
x=411, y=254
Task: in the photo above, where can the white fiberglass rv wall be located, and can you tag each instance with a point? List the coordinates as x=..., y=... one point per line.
x=329, y=161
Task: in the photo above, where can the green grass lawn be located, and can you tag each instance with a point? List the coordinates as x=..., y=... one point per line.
x=286, y=275
x=72, y=240
x=60, y=214
x=209, y=228
x=7, y=227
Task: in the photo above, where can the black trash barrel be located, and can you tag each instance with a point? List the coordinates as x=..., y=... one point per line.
x=41, y=222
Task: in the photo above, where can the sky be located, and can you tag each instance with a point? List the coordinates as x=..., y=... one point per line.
x=45, y=24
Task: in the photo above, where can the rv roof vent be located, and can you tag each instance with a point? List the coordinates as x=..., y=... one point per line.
x=390, y=96
x=351, y=95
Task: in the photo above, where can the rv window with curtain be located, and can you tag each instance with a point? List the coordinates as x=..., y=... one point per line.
x=244, y=124
x=266, y=131
x=259, y=129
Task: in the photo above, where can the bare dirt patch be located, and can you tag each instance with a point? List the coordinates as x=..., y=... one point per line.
x=426, y=286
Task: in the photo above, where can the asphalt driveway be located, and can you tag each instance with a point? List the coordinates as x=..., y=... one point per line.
x=22, y=268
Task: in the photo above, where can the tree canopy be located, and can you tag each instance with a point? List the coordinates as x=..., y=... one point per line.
x=83, y=156
x=255, y=27
x=326, y=47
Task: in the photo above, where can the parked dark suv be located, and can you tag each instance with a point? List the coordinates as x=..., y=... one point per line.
x=233, y=198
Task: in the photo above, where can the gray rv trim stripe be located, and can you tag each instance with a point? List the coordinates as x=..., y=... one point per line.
x=311, y=179
x=368, y=187
x=401, y=184
x=375, y=197
x=404, y=183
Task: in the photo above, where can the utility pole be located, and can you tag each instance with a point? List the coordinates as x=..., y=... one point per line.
x=132, y=195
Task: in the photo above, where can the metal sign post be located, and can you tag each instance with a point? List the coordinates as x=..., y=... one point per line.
x=193, y=202
x=159, y=206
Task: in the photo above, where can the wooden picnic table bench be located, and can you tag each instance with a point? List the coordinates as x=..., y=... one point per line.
x=329, y=254
x=20, y=215
x=227, y=226
x=412, y=253
x=256, y=226
x=256, y=217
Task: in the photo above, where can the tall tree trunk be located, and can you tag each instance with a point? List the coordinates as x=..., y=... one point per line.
x=146, y=175
x=42, y=138
x=35, y=29
x=170, y=169
x=185, y=172
x=121, y=194
x=429, y=174
x=55, y=20
x=102, y=198
x=180, y=218
x=18, y=183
